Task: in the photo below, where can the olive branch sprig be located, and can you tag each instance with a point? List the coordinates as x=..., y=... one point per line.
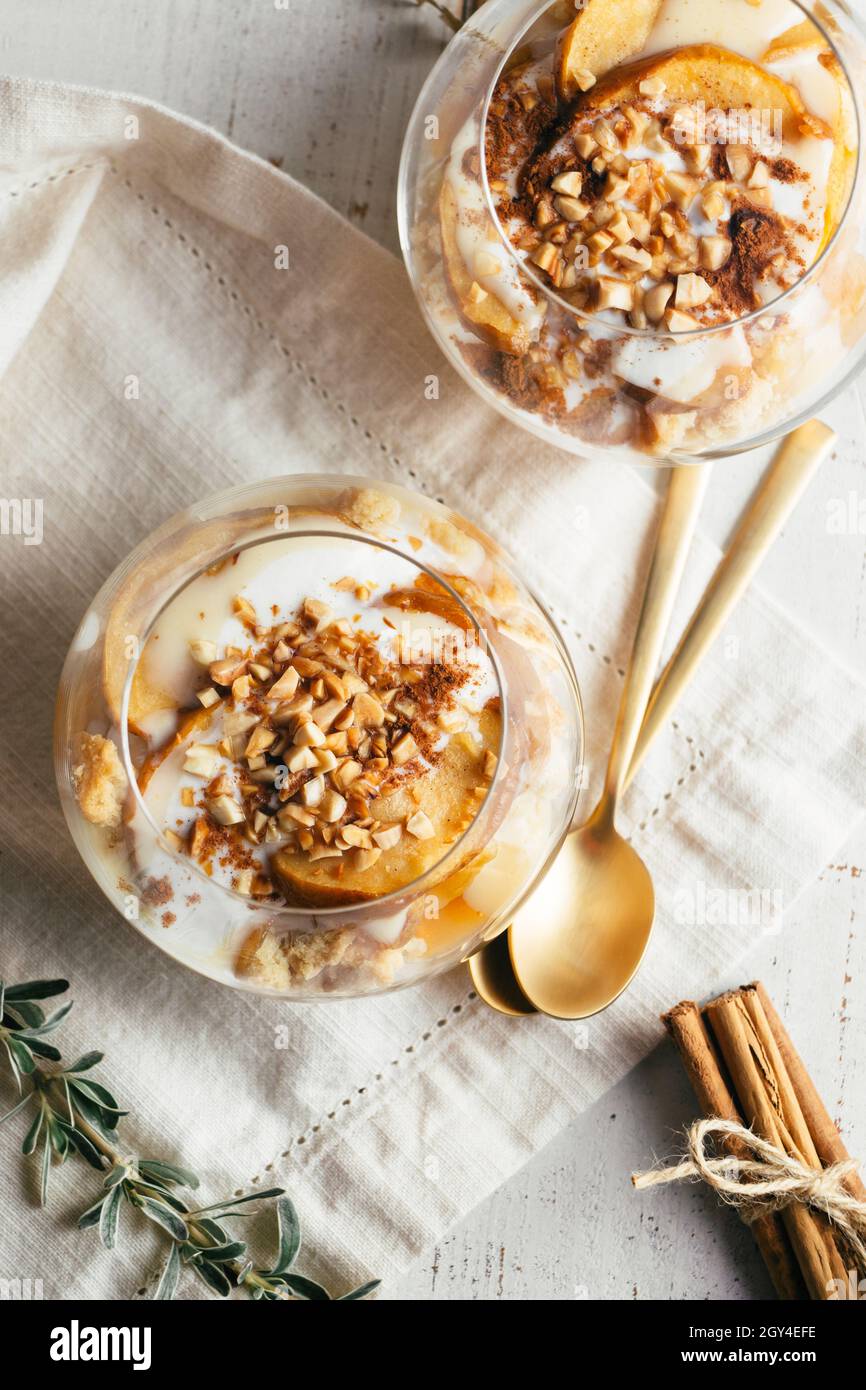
x=76, y=1115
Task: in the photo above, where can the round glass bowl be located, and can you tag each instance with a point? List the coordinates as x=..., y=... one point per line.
x=651, y=395
x=114, y=725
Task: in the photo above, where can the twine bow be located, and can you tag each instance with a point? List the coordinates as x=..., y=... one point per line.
x=769, y=1181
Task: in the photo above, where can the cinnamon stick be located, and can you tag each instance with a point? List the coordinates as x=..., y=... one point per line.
x=704, y=1070
x=769, y=1104
x=826, y=1137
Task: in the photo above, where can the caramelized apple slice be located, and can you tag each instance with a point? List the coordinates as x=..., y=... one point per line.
x=605, y=34
x=487, y=316
x=446, y=800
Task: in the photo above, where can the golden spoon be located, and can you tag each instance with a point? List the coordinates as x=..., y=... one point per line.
x=569, y=964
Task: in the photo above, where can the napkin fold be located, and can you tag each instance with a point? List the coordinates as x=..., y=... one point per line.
x=152, y=351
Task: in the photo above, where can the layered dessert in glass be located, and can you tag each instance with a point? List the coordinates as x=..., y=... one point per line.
x=317, y=739
x=637, y=224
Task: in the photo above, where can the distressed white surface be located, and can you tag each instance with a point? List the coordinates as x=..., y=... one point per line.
x=324, y=88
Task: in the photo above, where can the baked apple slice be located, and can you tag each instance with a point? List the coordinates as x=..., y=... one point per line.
x=604, y=34
x=483, y=312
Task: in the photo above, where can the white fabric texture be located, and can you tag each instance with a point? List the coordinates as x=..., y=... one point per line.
x=137, y=244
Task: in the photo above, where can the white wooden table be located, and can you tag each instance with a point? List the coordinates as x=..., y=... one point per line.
x=324, y=89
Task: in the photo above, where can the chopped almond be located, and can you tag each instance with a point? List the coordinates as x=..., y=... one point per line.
x=420, y=826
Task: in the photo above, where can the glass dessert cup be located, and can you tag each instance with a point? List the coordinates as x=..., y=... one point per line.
x=344, y=835
x=670, y=340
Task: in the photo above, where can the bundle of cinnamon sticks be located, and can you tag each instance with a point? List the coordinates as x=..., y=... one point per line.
x=743, y=1066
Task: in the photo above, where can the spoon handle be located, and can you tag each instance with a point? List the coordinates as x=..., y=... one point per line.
x=781, y=488
x=685, y=494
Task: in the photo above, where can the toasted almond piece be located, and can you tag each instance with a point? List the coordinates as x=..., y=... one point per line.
x=683, y=188
x=244, y=609
x=226, y=671
x=291, y=711
x=338, y=743
x=486, y=264
x=346, y=583
x=713, y=200
x=318, y=612
x=715, y=252
x=301, y=759
x=282, y=651
x=679, y=322
x=369, y=713
x=655, y=302
x=325, y=714
x=614, y=294
x=475, y=294
x=356, y=837
x=241, y=688
x=225, y=810
x=202, y=652
x=546, y=257
x=208, y=698
x=260, y=741
x=363, y=859
x=306, y=667
x=697, y=158
x=285, y=687
x=572, y=209
x=692, y=290
x=615, y=188
x=420, y=826
x=174, y=840
x=293, y=814
x=570, y=183
x=326, y=761
x=388, y=836
x=585, y=145
x=490, y=763
x=308, y=735
x=202, y=760
x=760, y=176
x=631, y=256
x=652, y=87
x=332, y=807
x=347, y=773
x=243, y=882
x=739, y=161
x=404, y=750
x=313, y=791
x=605, y=136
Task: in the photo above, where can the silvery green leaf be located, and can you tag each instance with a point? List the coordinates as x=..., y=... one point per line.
x=257, y=1293
x=90, y=1059
x=244, y=1270
x=43, y=1049
x=222, y=1254
x=15, y=1109
x=90, y=1112
x=164, y=1216
x=165, y=1289
x=163, y=1194
x=167, y=1172
x=98, y=1094
x=231, y=1202
x=25, y=1015
x=80, y=1142
x=359, y=1292
x=92, y=1215
x=46, y=1172
x=50, y=1023
x=22, y=1054
x=37, y=989
x=108, y=1218
x=214, y=1277
x=117, y=1174
x=13, y=1064
x=32, y=1136
x=58, y=1138
x=305, y=1288
x=214, y=1230
x=288, y=1235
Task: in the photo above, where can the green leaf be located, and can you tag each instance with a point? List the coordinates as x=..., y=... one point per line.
x=100, y=1097
x=214, y=1230
x=306, y=1288
x=31, y=1138
x=92, y=1215
x=164, y=1216
x=221, y=1254
x=22, y=1054
x=25, y=1015
x=50, y=1023
x=167, y=1172
x=46, y=1171
x=239, y=1201
x=90, y=1059
x=165, y=1289
x=20, y=1106
x=91, y=1112
x=80, y=1142
x=109, y=1216
x=37, y=989
x=43, y=1049
x=2, y=998
x=359, y=1292
x=214, y=1277
x=288, y=1235
x=13, y=1064
x=117, y=1174
x=58, y=1138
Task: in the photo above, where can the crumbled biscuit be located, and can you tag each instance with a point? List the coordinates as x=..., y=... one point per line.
x=100, y=780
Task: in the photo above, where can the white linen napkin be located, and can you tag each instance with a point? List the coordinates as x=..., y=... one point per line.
x=139, y=251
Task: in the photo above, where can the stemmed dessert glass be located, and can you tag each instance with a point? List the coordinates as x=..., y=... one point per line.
x=815, y=333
